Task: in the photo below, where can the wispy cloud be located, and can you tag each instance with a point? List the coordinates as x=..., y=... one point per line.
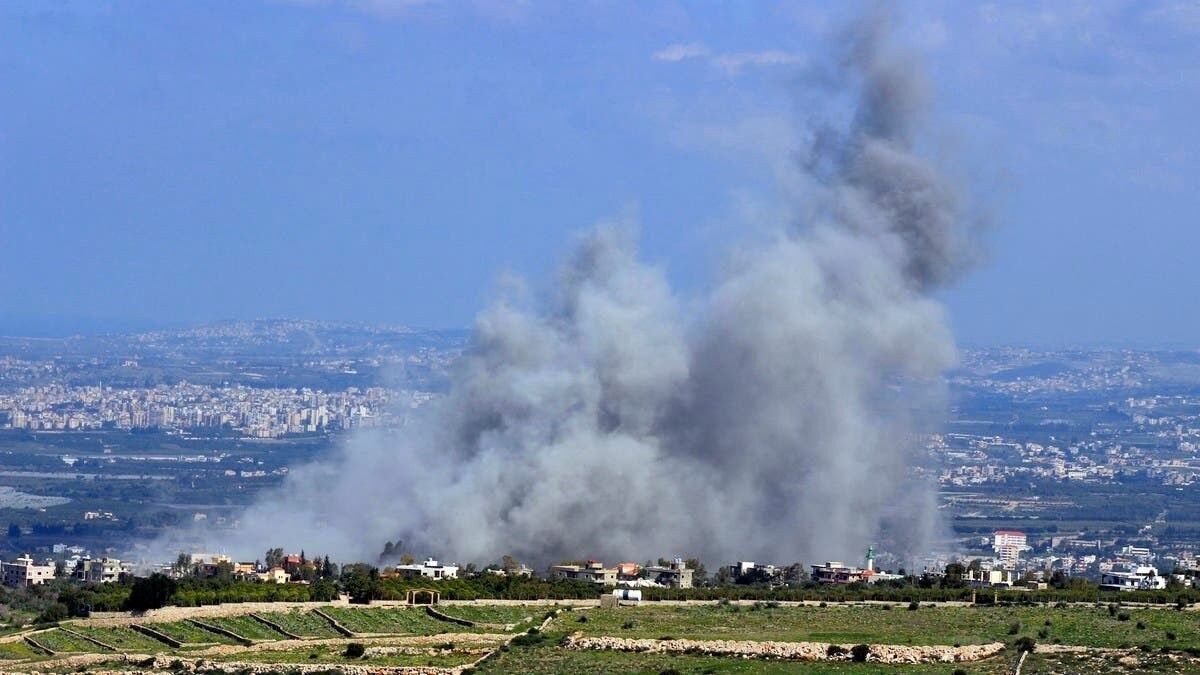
x=732, y=62
x=681, y=52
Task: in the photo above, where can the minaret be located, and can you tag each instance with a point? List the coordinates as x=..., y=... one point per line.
x=870, y=558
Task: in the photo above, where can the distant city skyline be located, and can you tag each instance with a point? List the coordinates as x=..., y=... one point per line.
x=169, y=164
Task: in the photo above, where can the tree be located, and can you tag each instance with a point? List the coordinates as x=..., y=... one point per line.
x=182, y=564
x=151, y=592
x=723, y=577
x=754, y=575
x=324, y=590
x=699, y=574
x=795, y=574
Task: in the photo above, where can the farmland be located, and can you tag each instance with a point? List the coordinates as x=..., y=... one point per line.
x=650, y=638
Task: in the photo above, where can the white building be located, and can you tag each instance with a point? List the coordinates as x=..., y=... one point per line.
x=1142, y=578
x=430, y=568
x=23, y=572
x=1008, y=545
x=104, y=571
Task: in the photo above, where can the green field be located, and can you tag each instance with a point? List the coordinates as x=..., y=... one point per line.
x=1138, y=640
x=303, y=623
x=190, y=633
x=122, y=638
x=498, y=614
x=407, y=620
x=61, y=641
x=246, y=627
x=1087, y=626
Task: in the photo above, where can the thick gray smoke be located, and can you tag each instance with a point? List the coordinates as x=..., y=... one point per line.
x=773, y=420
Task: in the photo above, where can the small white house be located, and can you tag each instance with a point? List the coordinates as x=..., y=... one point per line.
x=431, y=569
x=1142, y=578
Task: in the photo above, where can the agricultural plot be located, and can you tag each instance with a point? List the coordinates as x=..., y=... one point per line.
x=1085, y=626
x=246, y=627
x=497, y=614
x=61, y=641
x=549, y=659
x=16, y=650
x=302, y=623
x=336, y=655
x=122, y=638
x=190, y=633
x=411, y=621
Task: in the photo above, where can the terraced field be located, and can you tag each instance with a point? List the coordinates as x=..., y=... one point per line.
x=61, y=641
x=303, y=623
x=246, y=627
x=407, y=620
x=1095, y=640
x=191, y=633
x=124, y=639
x=497, y=614
x=1086, y=626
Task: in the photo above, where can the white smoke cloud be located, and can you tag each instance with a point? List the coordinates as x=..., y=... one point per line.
x=772, y=420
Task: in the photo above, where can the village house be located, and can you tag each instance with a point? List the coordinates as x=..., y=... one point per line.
x=430, y=569
x=104, y=570
x=674, y=575
x=23, y=572
x=593, y=571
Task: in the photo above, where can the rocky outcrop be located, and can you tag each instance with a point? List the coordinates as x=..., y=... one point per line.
x=798, y=651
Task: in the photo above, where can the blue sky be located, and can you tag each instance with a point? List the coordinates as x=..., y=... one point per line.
x=388, y=160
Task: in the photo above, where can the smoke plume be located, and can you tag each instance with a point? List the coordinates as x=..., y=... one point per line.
x=774, y=419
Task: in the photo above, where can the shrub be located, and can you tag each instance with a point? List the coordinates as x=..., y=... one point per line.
x=628, y=625
x=1014, y=628
x=1025, y=644
x=959, y=671
x=354, y=650
x=860, y=652
x=1112, y=610
x=582, y=619
x=1122, y=616
x=669, y=671
x=1044, y=633
x=1170, y=635
x=1146, y=648
x=530, y=639
x=1141, y=625
x=914, y=606
x=834, y=651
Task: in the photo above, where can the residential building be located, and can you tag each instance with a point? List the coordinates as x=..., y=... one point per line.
x=674, y=575
x=593, y=571
x=1008, y=545
x=430, y=569
x=24, y=572
x=833, y=572
x=104, y=570
x=1142, y=578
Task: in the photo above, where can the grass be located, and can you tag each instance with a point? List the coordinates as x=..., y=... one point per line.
x=122, y=638
x=246, y=627
x=409, y=621
x=333, y=654
x=302, y=623
x=942, y=625
x=17, y=650
x=190, y=633
x=61, y=641
x=496, y=613
x=549, y=659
